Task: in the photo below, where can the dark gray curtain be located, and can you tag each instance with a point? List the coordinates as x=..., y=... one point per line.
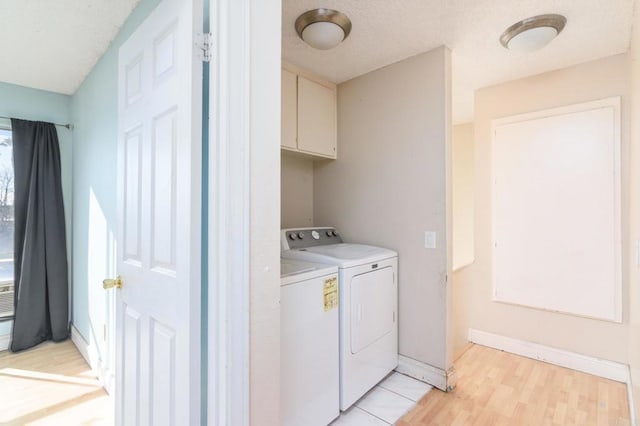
x=41, y=281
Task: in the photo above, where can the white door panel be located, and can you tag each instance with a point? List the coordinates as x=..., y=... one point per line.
x=159, y=143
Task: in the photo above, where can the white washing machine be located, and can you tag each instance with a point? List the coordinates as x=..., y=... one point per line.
x=309, y=345
x=368, y=304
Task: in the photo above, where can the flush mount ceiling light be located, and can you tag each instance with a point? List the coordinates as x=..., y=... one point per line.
x=533, y=33
x=323, y=28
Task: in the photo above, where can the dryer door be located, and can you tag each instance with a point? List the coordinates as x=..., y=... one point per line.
x=372, y=307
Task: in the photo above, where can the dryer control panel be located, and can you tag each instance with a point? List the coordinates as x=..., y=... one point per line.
x=300, y=238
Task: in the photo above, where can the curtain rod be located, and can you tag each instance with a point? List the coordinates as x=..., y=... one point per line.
x=68, y=126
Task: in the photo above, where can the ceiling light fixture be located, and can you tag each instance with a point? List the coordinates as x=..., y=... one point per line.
x=323, y=28
x=533, y=33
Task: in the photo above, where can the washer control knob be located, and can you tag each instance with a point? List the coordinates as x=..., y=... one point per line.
x=334, y=233
x=301, y=235
x=315, y=235
x=328, y=233
x=292, y=236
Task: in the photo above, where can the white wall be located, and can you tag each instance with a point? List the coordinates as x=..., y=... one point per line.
x=296, y=191
x=462, y=207
x=634, y=214
x=390, y=184
x=264, y=58
x=594, y=80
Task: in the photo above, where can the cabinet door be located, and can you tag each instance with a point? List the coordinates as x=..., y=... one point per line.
x=317, y=112
x=289, y=119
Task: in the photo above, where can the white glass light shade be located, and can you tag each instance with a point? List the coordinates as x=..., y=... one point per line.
x=532, y=39
x=323, y=35
x=533, y=33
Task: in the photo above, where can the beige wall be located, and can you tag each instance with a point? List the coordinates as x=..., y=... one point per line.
x=389, y=185
x=462, y=191
x=296, y=191
x=463, y=222
x=634, y=159
x=590, y=81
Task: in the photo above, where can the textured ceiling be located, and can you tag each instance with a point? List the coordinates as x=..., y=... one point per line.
x=386, y=31
x=53, y=45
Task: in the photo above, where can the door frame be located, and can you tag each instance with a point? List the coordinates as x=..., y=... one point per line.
x=243, y=358
x=228, y=216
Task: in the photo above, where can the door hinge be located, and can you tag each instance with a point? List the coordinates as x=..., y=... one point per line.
x=204, y=44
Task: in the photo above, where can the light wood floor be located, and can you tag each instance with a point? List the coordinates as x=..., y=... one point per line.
x=499, y=388
x=51, y=385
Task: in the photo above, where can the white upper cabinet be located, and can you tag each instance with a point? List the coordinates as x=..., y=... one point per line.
x=289, y=127
x=309, y=115
x=316, y=118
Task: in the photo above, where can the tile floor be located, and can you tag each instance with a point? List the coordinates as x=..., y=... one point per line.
x=386, y=403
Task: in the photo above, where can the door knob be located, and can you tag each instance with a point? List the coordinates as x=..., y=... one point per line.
x=109, y=283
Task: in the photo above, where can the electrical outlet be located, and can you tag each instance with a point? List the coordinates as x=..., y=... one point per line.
x=430, y=239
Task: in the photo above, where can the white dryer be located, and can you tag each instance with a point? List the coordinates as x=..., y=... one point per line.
x=368, y=304
x=309, y=342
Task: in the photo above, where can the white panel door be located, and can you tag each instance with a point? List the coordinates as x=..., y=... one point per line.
x=158, y=236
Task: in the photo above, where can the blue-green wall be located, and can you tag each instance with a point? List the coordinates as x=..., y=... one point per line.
x=95, y=116
x=39, y=105
x=34, y=104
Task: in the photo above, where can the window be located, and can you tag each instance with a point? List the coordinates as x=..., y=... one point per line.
x=6, y=224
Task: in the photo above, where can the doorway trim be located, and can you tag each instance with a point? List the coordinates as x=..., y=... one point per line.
x=244, y=213
x=229, y=215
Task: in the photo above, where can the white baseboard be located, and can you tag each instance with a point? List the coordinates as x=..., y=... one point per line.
x=632, y=405
x=586, y=364
x=5, y=340
x=437, y=377
x=632, y=388
x=82, y=345
x=90, y=354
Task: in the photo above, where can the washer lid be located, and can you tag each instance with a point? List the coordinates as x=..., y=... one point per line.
x=344, y=255
x=293, y=271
